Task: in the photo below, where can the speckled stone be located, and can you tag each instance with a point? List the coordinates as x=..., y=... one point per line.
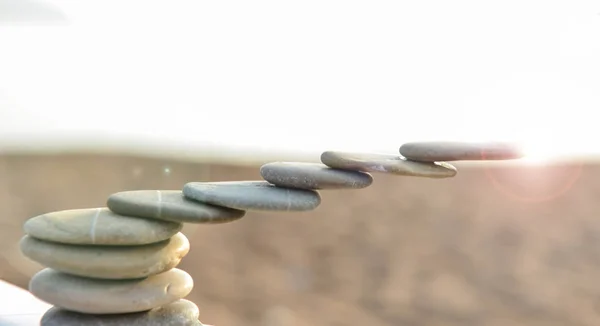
x=459, y=151
x=94, y=296
x=252, y=195
x=169, y=205
x=98, y=226
x=313, y=176
x=108, y=262
x=179, y=313
x=384, y=163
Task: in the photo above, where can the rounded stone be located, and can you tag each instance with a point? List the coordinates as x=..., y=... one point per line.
x=252, y=195
x=170, y=205
x=460, y=151
x=179, y=313
x=94, y=296
x=385, y=163
x=108, y=262
x=313, y=176
x=98, y=226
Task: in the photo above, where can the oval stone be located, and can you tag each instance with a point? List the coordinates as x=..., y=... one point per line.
x=108, y=262
x=252, y=195
x=179, y=313
x=94, y=296
x=460, y=151
x=313, y=176
x=98, y=226
x=170, y=205
x=385, y=163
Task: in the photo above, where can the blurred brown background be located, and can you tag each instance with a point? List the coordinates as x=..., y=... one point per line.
x=493, y=246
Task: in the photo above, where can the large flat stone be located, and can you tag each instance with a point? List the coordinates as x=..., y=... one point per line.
x=94, y=296
x=252, y=195
x=169, y=205
x=179, y=313
x=459, y=151
x=98, y=226
x=313, y=176
x=384, y=163
x=108, y=262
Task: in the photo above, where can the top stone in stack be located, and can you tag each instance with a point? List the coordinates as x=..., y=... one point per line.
x=460, y=151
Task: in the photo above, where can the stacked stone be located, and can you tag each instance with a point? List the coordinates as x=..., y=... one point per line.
x=116, y=265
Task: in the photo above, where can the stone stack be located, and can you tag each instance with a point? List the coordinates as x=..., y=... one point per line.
x=117, y=265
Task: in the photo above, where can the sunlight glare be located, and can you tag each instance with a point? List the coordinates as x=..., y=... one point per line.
x=539, y=152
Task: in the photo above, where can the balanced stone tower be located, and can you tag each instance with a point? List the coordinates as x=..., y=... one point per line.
x=117, y=265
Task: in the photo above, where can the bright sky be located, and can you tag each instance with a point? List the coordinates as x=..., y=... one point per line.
x=302, y=76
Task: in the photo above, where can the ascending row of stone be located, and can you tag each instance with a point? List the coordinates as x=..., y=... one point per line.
x=293, y=186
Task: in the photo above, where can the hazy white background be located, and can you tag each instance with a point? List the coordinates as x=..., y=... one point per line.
x=277, y=77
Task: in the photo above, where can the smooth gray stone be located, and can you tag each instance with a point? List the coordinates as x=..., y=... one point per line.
x=169, y=205
x=384, y=163
x=313, y=176
x=107, y=262
x=95, y=296
x=252, y=195
x=460, y=151
x=179, y=313
x=98, y=226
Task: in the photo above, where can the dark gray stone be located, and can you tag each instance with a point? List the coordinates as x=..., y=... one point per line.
x=460, y=151
x=179, y=313
x=252, y=195
x=169, y=205
x=313, y=176
x=385, y=163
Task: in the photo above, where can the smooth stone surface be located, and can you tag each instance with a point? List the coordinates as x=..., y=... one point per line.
x=98, y=226
x=179, y=313
x=94, y=296
x=371, y=162
x=252, y=195
x=169, y=205
x=460, y=151
x=108, y=262
x=313, y=176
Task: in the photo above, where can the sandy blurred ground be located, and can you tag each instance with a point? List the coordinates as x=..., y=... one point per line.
x=492, y=246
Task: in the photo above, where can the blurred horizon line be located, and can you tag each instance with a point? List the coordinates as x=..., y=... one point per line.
x=211, y=152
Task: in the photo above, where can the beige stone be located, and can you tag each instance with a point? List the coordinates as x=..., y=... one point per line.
x=385, y=163
x=108, y=262
x=179, y=313
x=96, y=296
x=98, y=226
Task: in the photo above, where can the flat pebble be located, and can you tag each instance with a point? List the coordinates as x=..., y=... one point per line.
x=98, y=226
x=385, y=163
x=179, y=313
x=252, y=195
x=94, y=296
x=459, y=151
x=107, y=262
x=313, y=176
x=169, y=205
